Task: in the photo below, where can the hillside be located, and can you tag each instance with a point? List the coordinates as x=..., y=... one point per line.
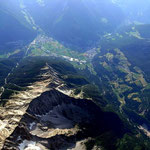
x=13, y=34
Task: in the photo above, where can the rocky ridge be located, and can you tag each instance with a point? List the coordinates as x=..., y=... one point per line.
x=18, y=103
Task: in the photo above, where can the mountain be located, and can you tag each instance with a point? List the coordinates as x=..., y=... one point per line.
x=74, y=75
x=37, y=100
x=135, y=10
x=13, y=34
x=75, y=23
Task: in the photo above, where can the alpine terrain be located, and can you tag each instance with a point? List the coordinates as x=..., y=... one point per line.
x=74, y=75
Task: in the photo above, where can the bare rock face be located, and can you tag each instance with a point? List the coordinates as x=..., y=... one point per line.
x=15, y=108
x=57, y=121
x=45, y=116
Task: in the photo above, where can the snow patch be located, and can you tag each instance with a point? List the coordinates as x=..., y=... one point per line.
x=28, y=145
x=31, y=125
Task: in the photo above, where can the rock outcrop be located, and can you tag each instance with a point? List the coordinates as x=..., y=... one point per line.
x=56, y=121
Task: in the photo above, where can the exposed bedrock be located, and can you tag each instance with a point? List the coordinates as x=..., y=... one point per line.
x=56, y=121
